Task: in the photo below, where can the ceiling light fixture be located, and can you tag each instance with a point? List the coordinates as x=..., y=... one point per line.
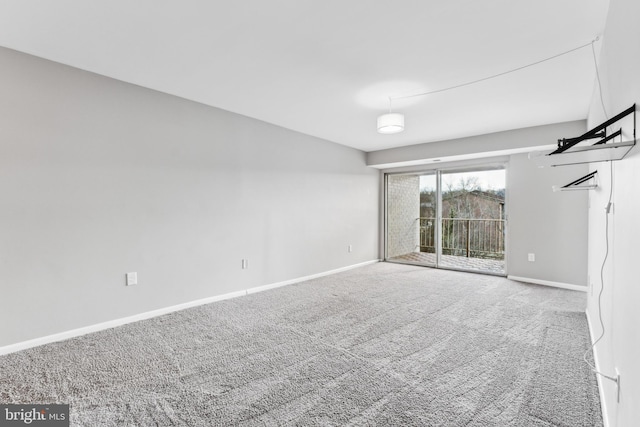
x=391, y=122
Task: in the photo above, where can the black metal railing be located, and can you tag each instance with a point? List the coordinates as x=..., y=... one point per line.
x=474, y=238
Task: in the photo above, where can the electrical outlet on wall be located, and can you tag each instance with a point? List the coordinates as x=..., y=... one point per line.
x=531, y=257
x=132, y=279
x=350, y=248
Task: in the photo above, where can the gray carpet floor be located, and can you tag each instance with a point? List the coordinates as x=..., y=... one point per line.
x=382, y=345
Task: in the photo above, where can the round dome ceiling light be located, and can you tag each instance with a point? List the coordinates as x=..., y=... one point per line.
x=391, y=123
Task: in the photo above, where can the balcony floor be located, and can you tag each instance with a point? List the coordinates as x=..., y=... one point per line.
x=454, y=262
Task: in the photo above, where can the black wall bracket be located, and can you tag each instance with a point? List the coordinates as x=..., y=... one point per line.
x=611, y=147
x=580, y=183
x=599, y=131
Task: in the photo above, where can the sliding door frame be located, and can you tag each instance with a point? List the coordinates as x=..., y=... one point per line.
x=439, y=171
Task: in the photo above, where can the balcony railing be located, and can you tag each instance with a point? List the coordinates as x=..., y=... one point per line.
x=476, y=238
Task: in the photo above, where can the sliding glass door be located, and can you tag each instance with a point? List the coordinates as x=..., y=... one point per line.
x=447, y=218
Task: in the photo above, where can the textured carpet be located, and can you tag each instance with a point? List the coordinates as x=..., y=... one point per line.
x=382, y=345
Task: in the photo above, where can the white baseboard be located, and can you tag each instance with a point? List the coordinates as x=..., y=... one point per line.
x=596, y=361
x=114, y=323
x=305, y=278
x=12, y=348
x=548, y=283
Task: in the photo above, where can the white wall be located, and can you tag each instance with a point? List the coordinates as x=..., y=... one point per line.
x=99, y=178
x=620, y=348
x=551, y=225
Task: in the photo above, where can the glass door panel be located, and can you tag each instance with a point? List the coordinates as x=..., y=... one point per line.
x=410, y=219
x=473, y=220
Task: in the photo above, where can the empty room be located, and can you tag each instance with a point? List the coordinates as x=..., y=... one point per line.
x=319, y=213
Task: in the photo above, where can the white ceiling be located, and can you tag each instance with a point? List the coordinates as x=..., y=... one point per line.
x=327, y=67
